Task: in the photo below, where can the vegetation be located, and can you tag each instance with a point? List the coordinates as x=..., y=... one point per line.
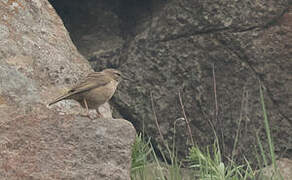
x=206, y=164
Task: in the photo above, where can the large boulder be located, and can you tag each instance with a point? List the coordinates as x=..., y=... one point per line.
x=38, y=62
x=187, y=48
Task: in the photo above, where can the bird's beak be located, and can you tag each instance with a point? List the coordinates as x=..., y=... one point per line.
x=126, y=78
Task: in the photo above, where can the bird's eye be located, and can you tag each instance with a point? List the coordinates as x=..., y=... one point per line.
x=119, y=74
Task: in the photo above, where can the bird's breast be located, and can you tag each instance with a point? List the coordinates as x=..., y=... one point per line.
x=100, y=95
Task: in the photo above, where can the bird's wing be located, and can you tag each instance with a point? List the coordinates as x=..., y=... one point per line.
x=93, y=80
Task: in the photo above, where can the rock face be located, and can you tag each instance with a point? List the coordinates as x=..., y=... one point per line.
x=243, y=43
x=37, y=62
x=186, y=47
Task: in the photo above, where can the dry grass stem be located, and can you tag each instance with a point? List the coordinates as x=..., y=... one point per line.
x=186, y=119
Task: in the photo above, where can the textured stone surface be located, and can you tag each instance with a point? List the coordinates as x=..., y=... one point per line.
x=285, y=169
x=38, y=61
x=173, y=49
x=42, y=145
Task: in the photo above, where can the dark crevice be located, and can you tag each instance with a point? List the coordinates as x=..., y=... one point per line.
x=192, y=33
x=231, y=29
x=131, y=13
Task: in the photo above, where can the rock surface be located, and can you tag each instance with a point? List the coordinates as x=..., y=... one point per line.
x=42, y=145
x=38, y=61
x=285, y=169
x=173, y=48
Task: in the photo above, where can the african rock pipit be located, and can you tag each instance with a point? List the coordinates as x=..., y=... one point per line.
x=93, y=91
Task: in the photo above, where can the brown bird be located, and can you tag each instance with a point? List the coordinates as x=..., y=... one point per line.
x=93, y=91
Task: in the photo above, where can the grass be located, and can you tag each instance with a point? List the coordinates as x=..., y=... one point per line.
x=146, y=165
x=140, y=153
x=203, y=164
x=210, y=165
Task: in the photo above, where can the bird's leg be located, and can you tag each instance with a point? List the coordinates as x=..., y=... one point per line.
x=86, y=106
x=87, y=114
x=99, y=114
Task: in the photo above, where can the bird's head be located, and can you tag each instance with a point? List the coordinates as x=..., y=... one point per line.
x=114, y=74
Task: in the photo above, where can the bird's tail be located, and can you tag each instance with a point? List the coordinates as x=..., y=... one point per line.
x=65, y=96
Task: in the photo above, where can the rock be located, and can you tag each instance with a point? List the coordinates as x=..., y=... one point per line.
x=42, y=145
x=245, y=43
x=285, y=170
x=38, y=62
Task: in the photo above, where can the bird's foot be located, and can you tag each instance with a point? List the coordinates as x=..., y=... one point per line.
x=99, y=115
x=91, y=114
x=85, y=114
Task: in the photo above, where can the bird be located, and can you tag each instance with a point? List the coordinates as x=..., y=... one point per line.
x=94, y=90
